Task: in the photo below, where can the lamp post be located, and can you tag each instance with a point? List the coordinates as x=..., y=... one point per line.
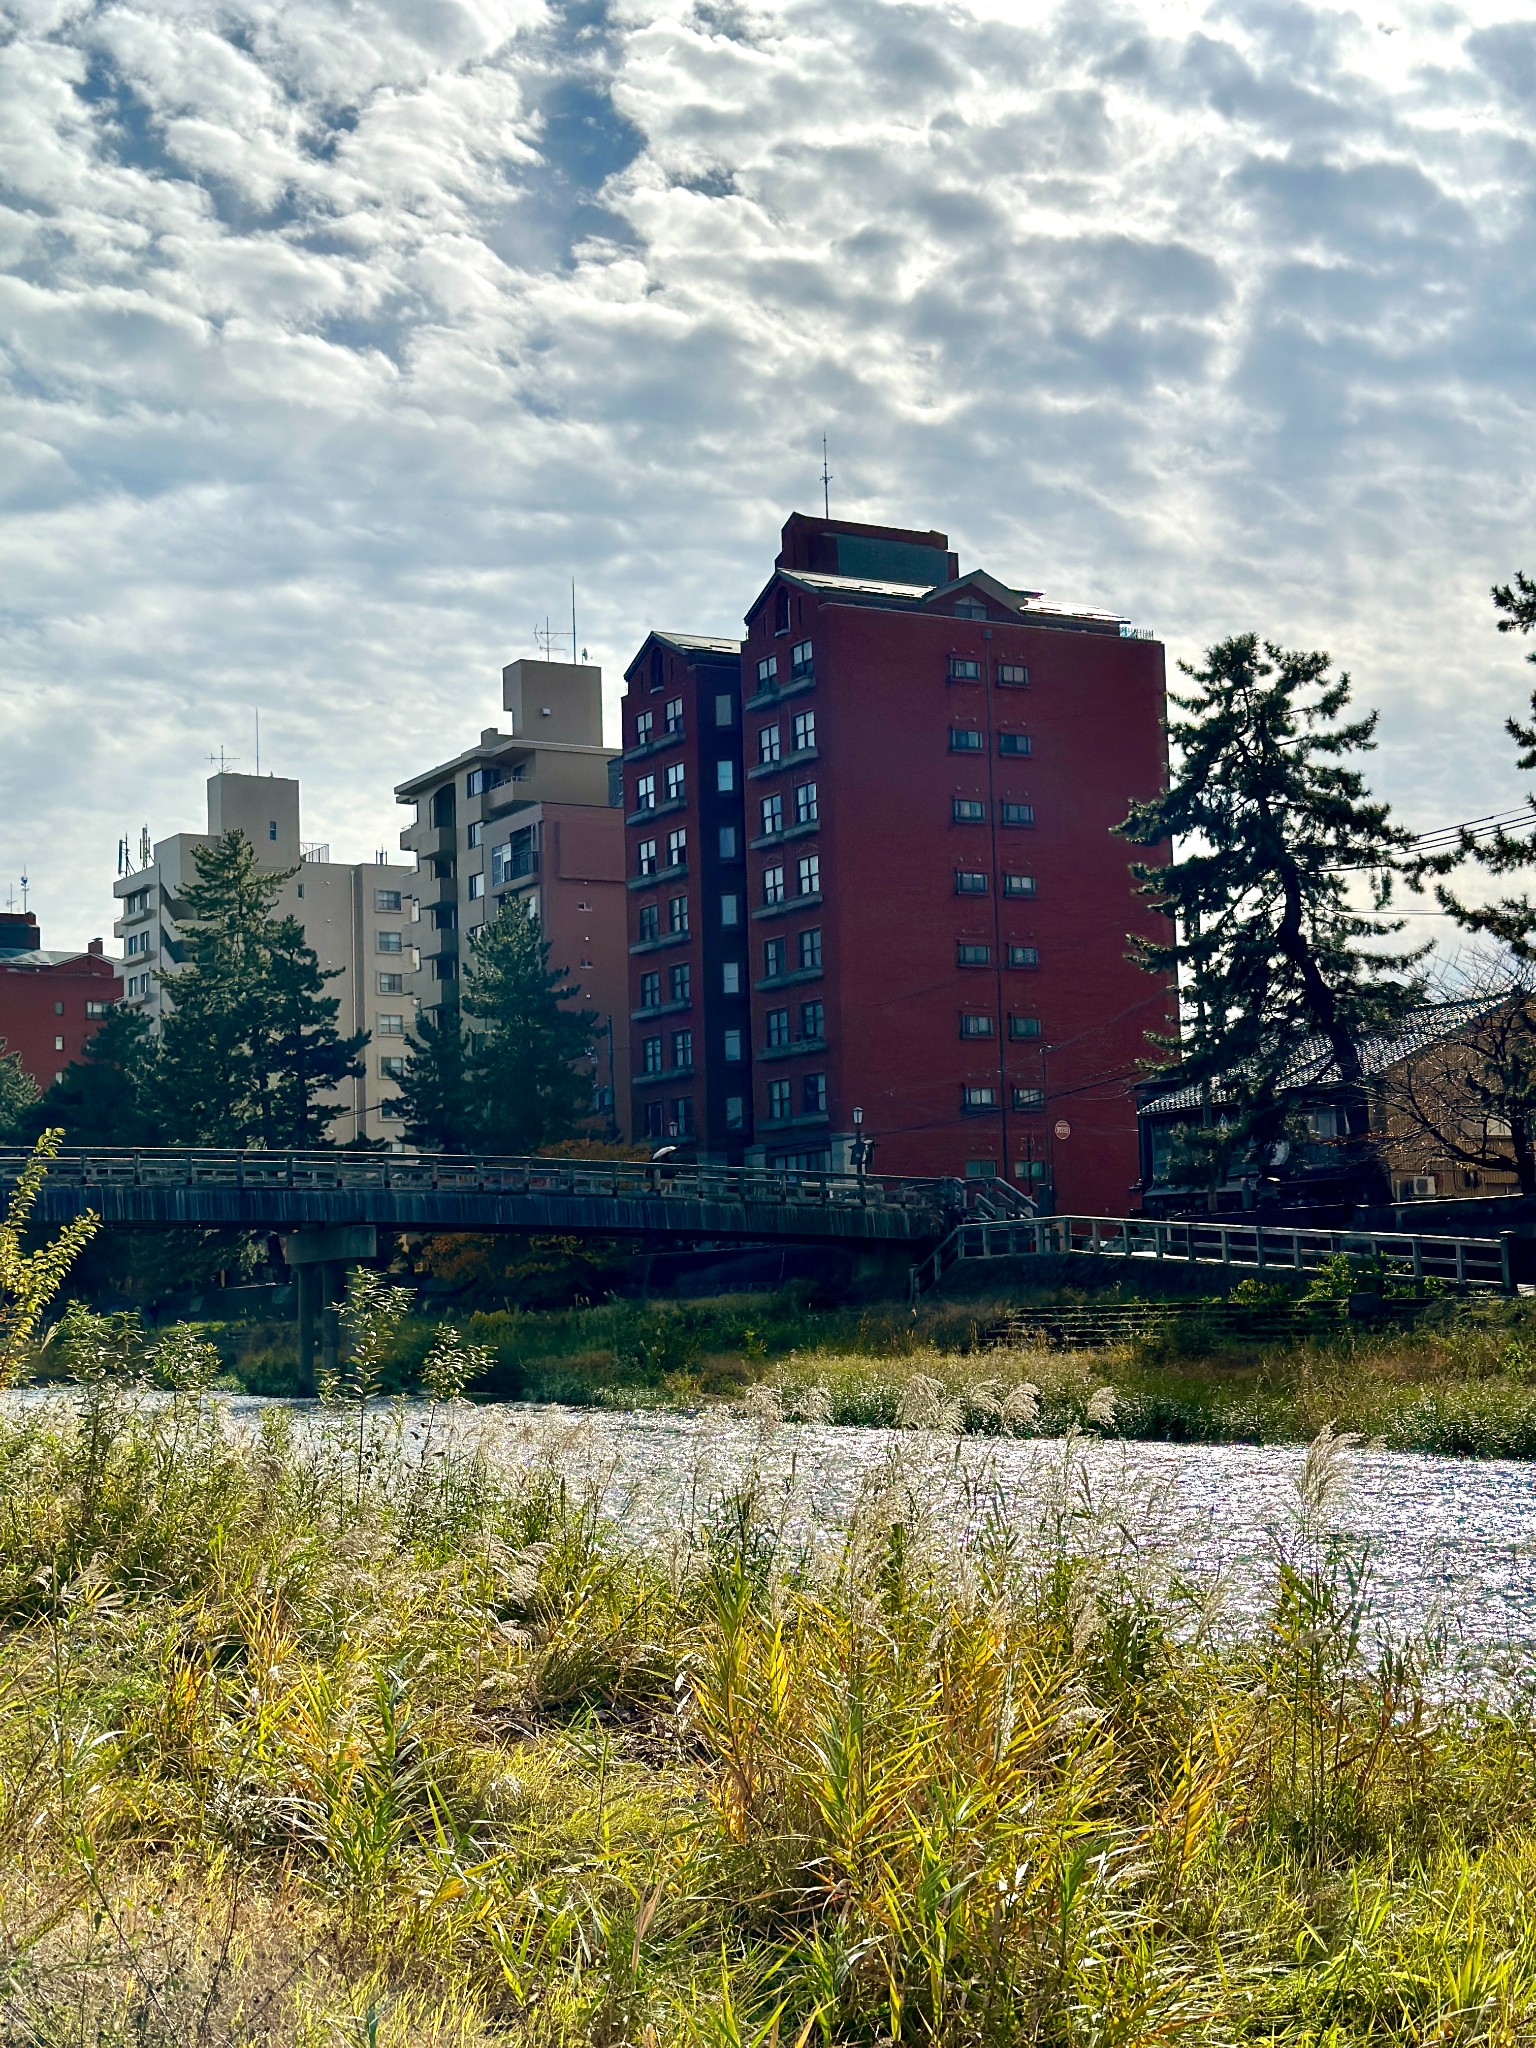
x=861, y=1151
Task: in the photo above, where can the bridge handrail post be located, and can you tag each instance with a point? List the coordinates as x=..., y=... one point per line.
x=1461, y=1262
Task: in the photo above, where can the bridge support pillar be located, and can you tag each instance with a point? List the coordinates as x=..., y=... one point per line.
x=320, y=1259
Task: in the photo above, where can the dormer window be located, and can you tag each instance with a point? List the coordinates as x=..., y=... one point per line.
x=969, y=608
x=781, y=610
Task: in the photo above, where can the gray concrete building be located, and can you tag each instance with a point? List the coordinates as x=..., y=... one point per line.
x=360, y=917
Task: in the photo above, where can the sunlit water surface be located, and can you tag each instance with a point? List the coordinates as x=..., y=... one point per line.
x=1451, y=1542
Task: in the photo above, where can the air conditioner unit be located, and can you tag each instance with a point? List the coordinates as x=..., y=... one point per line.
x=1414, y=1190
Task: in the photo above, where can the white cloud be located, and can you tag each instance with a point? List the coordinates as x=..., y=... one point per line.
x=335, y=338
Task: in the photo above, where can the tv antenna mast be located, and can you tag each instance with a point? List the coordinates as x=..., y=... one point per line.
x=826, y=481
x=222, y=761
x=547, y=638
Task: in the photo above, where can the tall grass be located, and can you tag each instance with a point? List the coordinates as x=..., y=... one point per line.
x=302, y=1743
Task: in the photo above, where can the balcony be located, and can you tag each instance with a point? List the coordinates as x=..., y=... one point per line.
x=675, y=873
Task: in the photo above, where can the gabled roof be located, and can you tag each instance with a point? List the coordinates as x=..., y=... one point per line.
x=1314, y=1066
x=989, y=586
x=697, y=643
x=45, y=957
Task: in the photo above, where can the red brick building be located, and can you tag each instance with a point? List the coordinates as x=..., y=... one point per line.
x=690, y=1007
x=938, y=907
x=50, y=1002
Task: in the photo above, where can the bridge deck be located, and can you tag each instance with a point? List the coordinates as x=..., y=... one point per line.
x=291, y=1191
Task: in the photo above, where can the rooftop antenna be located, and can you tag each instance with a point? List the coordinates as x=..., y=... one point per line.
x=146, y=851
x=24, y=888
x=222, y=761
x=547, y=639
x=826, y=481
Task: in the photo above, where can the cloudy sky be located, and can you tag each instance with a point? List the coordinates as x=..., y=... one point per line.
x=336, y=336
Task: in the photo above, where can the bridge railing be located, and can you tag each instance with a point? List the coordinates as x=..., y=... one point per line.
x=1482, y=1262
x=405, y=1172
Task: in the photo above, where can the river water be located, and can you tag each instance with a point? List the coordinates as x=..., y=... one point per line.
x=1451, y=1543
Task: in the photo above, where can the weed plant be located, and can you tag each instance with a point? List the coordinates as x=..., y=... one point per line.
x=319, y=1734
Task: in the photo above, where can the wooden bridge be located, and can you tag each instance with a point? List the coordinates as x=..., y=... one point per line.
x=296, y=1192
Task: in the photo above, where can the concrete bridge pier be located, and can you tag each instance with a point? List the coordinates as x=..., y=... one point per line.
x=319, y=1260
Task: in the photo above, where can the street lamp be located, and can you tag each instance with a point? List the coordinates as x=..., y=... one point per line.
x=862, y=1149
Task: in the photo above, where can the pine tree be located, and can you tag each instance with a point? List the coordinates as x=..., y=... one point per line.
x=18, y=1094
x=1274, y=835
x=434, y=1093
x=112, y=1094
x=307, y=1054
x=251, y=1041
x=529, y=1058
x=1510, y=920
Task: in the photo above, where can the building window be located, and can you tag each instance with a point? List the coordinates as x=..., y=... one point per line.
x=391, y=1109
x=391, y=984
x=961, y=668
x=386, y=899
x=735, y=1112
x=732, y=1044
x=768, y=745
x=446, y=967
x=58, y=1044
x=813, y=1094
x=1014, y=743
x=974, y=1024
x=978, y=1098
x=476, y=887
x=653, y=1120
x=730, y=910
x=773, y=885
x=445, y=917
x=645, y=793
x=676, y=783
x=778, y=1101
x=1029, y=1098
x=730, y=978
x=479, y=780
x=767, y=669
x=387, y=1025
x=272, y=828
x=392, y=1066
x=474, y=833
x=643, y=727
x=672, y=715
x=810, y=874
x=813, y=1020
x=800, y=658
x=725, y=776
x=682, y=1048
x=1018, y=814
x=1023, y=956
x=1023, y=1027
x=443, y=806
x=970, y=882
x=650, y=990
x=778, y=1029
x=805, y=731
x=810, y=948
x=1013, y=673
x=964, y=739
x=1018, y=885
x=677, y=847
x=677, y=913
x=650, y=923
x=728, y=842
x=93, y=1009
x=969, y=955
x=680, y=982
x=389, y=942
x=806, y=810
x=647, y=861
x=968, y=810
x=773, y=815
x=725, y=710
x=774, y=959
x=681, y=1123
x=650, y=1055
x=138, y=942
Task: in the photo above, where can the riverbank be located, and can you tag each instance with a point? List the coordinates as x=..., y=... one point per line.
x=305, y=1741
x=1460, y=1382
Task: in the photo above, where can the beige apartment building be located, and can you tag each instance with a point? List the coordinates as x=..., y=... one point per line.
x=531, y=815
x=360, y=918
